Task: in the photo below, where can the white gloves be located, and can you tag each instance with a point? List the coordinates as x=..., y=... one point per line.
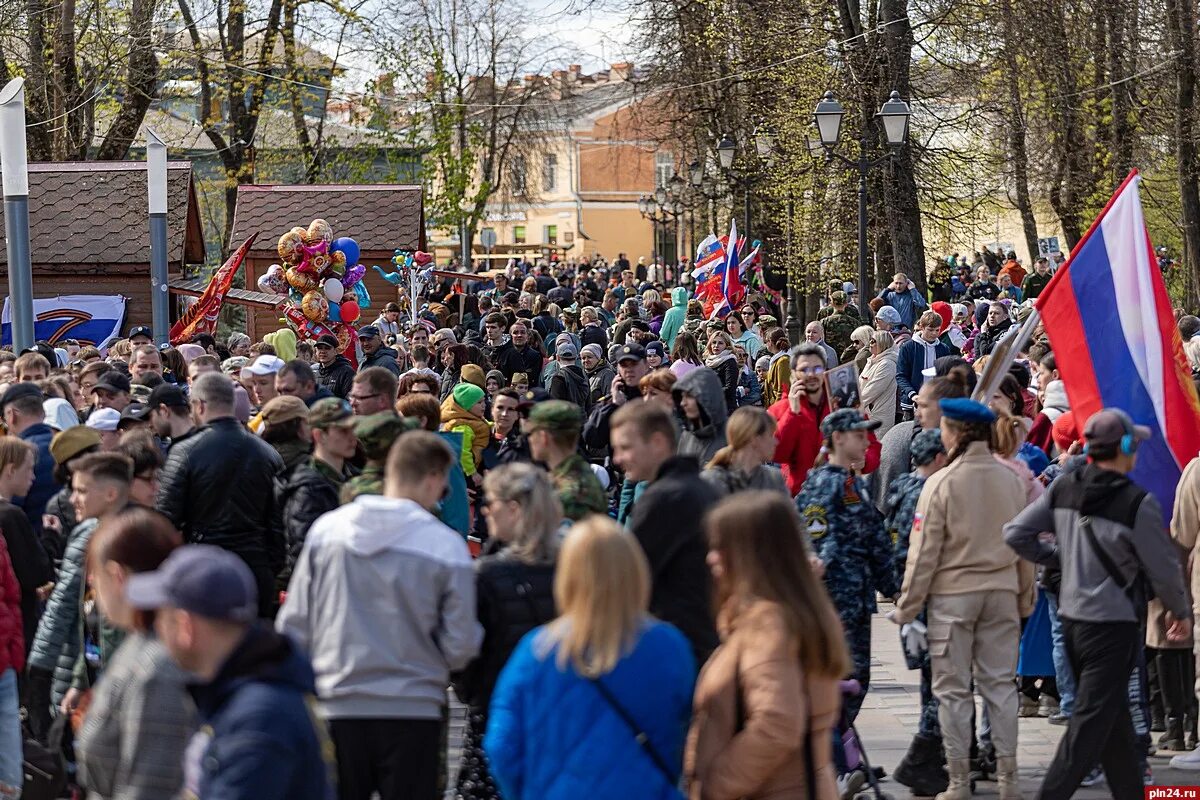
x=913, y=634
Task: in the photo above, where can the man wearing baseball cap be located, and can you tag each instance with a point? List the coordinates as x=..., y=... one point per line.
x=111, y=391
x=140, y=335
x=630, y=360
x=170, y=414
x=315, y=485
x=569, y=381
x=375, y=352
x=333, y=369
x=254, y=687
x=1109, y=540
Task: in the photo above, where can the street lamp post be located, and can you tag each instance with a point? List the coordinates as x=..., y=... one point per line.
x=894, y=114
x=15, y=180
x=660, y=208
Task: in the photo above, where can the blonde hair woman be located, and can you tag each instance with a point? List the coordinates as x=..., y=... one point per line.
x=878, y=380
x=514, y=594
x=860, y=347
x=767, y=699
x=719, y=357
x=745, y=462
x=596, y=703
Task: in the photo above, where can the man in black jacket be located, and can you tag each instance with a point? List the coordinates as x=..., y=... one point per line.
x=667, y=521
x=569, y=382
x=218, y=486
x=333, y=369
x=375, y=353
x=520, y=356
x=626, y=386
x=315, y=485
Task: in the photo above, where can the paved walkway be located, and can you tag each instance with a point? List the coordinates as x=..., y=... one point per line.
x=889, y=719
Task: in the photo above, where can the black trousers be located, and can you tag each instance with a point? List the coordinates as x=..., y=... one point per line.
x=1101, y=732
x=396, y=757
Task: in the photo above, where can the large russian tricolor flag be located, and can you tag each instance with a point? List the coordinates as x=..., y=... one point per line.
x=1109, y=320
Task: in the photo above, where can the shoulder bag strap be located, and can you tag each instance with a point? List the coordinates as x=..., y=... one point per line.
x=639, y=735
x=1128, y=587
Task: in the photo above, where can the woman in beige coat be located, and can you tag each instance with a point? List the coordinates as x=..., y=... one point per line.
x=767, y=700
x=878, y=382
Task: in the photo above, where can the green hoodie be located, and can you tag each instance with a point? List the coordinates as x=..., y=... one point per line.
x=673, y=321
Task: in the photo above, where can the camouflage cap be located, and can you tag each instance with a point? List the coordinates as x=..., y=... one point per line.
x=329, y=412
x=847, y=419
x=925, y=446
x=554, y=415
x=377, y=432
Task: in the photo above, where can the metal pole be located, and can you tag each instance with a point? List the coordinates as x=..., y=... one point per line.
x=156, y=191
x=464, y=255
x=864, y=293
x=15, y=177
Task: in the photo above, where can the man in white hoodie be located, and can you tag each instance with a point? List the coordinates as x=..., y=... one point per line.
x=383, y=598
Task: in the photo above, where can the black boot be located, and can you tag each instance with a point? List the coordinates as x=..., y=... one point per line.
x=1173, y=739
x=1189, y=733
x=923, y=768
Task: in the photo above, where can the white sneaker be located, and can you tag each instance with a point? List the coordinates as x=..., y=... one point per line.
x=1188, y=761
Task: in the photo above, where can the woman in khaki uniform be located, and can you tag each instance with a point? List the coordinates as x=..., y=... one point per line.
x=976, y=589
x=767, y=699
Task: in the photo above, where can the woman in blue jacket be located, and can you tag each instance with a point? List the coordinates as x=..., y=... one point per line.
x=571, y=704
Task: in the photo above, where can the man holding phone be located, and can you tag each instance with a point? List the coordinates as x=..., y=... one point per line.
x=901, y=295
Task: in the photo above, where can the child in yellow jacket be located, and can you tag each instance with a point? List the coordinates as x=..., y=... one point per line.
x=462, y=412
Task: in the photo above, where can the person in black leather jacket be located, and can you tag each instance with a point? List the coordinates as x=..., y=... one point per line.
x=333, y=369
x=514, y=595
x=217, y=487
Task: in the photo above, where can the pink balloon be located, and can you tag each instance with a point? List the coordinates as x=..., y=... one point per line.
x=353, y=275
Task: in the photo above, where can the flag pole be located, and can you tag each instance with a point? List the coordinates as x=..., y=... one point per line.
x=14, y=170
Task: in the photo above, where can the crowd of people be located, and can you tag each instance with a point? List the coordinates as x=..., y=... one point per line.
x=644, y=546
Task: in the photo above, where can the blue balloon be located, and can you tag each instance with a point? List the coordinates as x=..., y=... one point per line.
x=295, y=295
x=348, y=246
x=364, y=297
x=335, y=313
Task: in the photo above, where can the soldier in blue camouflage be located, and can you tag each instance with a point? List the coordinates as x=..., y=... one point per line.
x=923, y=768
x=847, y=533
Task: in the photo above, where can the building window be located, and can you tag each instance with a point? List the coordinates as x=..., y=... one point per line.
x=550, y=234
x=518, y=234
x=550, y=172
x=518, y=175
x=664, y=169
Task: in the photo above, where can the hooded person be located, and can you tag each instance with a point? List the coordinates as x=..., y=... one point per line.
x=600, y=374
x=462, y=412
x=569, y=382
x=700, y=399
x=673, y=321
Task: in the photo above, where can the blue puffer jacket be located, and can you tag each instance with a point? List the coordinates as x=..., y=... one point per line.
x=265, y=742
x=551, y=734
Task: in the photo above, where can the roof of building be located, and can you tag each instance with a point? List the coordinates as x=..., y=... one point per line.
x=95, y=212
x=276, y=131
x=194, y=287
x=380, y=217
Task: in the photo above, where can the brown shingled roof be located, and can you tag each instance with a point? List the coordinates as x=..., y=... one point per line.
x=94, y=212
x=380, y=217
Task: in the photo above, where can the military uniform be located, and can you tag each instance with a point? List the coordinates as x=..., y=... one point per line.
x=847, y=533
x=578, y=488
x=838, y=328
x=375, y=434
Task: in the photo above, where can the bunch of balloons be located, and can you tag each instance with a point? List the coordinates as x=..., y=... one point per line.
x=320, y=282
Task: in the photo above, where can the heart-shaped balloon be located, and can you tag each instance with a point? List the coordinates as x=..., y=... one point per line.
x=353, y=275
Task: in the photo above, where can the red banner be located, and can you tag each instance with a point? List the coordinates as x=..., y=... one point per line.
x=202, y=316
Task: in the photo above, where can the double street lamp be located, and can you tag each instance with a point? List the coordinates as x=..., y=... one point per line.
x=661, y=208
x=764, y=146
x=894, y=115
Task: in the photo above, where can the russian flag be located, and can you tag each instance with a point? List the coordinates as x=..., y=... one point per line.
x=709, y=253
x=1109, y=319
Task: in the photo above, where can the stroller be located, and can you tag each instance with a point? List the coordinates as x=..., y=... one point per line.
x=849, y=754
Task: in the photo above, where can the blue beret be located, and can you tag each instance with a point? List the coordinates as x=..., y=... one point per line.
x=960, y=409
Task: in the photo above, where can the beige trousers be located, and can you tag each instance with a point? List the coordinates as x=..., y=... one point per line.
x=976, y=634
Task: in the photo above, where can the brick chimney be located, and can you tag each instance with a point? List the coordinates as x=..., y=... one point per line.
x=620, y=72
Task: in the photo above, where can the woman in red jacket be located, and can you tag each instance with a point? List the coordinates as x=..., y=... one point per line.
x=12, y=661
